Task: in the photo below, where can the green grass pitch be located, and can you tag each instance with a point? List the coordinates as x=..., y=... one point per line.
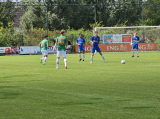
x=30, y=90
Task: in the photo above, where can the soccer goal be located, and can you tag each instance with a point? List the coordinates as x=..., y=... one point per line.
x=147, y=34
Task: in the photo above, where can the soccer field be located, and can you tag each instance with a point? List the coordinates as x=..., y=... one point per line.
x=30, y=90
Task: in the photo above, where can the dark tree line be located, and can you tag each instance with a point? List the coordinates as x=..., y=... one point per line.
x=128, y=12
x=6, y=14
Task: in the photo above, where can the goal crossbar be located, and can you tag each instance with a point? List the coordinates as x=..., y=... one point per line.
x=125, y=27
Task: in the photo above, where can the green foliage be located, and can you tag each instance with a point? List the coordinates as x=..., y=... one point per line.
x=74, y=19
x=60, y=17
x=121, y=25
x=117, y=14
x=6, y=25
x=35, y=35
x=74, y=16
x=7, y=13
x=98, y=24
x=8, y=37
x=152, y=13
x=34, y=17
x=72, y=35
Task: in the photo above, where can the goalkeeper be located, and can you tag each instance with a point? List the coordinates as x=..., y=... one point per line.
x=134, y=43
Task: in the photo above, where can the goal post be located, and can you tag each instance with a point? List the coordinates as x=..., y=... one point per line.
x=147, y=34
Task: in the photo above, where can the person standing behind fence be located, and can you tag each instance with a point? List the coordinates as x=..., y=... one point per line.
x=146, y=41
x=134, y=42
x=54, y=41
x=62, y=43
x=43, y=45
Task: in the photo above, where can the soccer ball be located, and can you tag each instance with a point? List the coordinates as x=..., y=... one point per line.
x=123, y=62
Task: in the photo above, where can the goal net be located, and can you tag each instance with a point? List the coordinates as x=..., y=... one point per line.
x=122, y=35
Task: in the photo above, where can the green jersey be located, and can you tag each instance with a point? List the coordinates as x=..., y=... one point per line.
x=61, y=42
x=44, y=44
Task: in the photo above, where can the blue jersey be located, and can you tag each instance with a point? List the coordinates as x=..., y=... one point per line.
x=80, y=41
x=95, y=41
x=134, y=39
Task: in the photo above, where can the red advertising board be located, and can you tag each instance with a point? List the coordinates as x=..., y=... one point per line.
x=121, y=47
x=126, y=38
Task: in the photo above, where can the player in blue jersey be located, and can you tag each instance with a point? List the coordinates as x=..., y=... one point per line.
x=94, y=42
x=134, y=42
x=81, y=42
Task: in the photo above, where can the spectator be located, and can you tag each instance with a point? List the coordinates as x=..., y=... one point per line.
x=69, y=42
x=54, y=41
x=146, y=41
x=13, y=50
x=100, y=42
x=17, y=50
x=142, y=40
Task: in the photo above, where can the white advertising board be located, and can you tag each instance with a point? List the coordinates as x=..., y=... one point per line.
x=50, y=49
x=5, y=50
x=117, y=38
x=30, y=50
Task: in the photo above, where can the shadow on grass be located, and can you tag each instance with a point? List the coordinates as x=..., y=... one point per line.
x=8, y=87
x=141, y=107
x=96, y=98
x=123, y=100
x=9, y=95
x=72, y=103
x=14, y=76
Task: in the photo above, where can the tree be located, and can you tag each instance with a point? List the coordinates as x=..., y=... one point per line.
x=79, y=16
x=35, y=16
x=7, y=13
x=76, y=17
x=152, y=13
x=117, y=12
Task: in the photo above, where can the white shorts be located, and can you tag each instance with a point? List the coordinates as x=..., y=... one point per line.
x=44, y=52
x=59, y=53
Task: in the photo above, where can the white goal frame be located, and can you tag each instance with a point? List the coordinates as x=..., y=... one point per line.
x=125, y=27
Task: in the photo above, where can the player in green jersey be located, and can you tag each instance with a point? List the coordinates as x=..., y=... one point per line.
x=62, y=44
x=43, y=45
